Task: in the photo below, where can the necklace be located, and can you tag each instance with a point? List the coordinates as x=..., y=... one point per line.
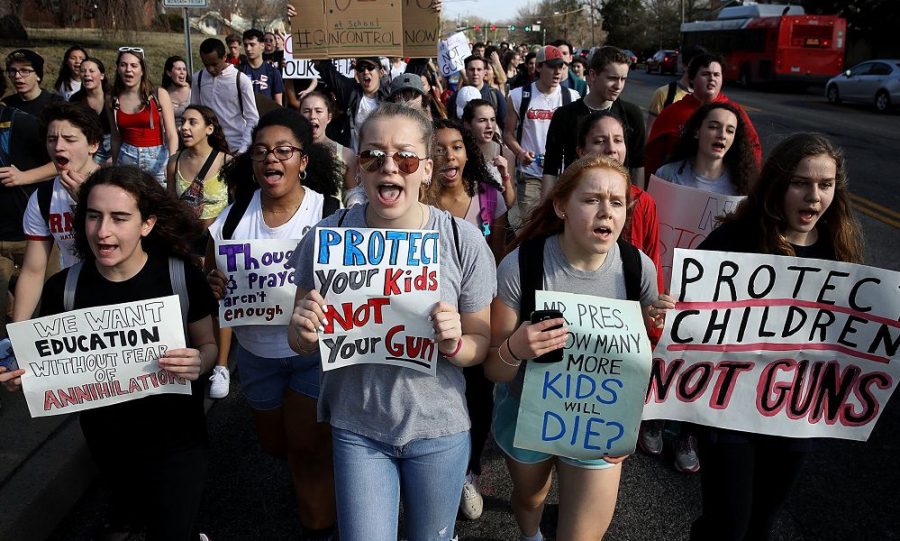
x=277, y=212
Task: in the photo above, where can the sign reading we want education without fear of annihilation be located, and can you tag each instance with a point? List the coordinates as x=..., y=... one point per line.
x=777, y=345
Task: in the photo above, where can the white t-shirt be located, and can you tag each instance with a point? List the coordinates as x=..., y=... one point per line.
x=270, y=340
x=537, y=122
x=59, y=226
x=67, y=94
x=682, y=173
x=366, y=106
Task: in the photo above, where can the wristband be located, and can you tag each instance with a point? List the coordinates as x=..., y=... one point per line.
x=505, y=177
x=509, y=349
x=504, y=361
x=455, y=351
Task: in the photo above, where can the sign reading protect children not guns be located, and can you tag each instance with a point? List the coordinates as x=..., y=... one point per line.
x=380, y=286
x=777, y=345
x=98, y=356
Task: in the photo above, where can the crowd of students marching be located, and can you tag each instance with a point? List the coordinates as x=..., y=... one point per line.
x=529, y=155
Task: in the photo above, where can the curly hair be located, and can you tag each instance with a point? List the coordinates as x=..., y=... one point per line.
x=739, y=160
x=65, y=72
x=763, y=207
x=217, y=137
x=76, y=114
x=543, y=220
x=475, y=174
x=323, y=171
x=176, y=226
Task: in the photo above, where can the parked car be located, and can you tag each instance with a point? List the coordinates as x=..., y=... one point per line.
x=873, y=81
x=632, y=58
x=664, y=61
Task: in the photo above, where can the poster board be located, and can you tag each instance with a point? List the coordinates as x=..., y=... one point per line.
x=259, y=287
x=380, y=286
x=99, y=356
x=777, y=345
x=452, y=53
x=588, y=405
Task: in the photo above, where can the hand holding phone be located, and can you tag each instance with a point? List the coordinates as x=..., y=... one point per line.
x=7, y=359
x=538, y=316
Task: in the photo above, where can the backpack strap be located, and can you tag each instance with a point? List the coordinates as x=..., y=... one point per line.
x=566, y=96
x=531, y=274
x=240, y=98
x=487, y=201
x=330, y=206
x=341, y=218
x=235, y=213
x=631, y=268
x=179, y=287
x=200, y=82
x=210, y=160
x=670, y=94
x=455, y=228
x=71, y=285
x=44, y=195
x=523, y=110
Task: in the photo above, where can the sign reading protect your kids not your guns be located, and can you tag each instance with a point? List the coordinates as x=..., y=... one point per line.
x=99, y=356
x=588, y=405
x=777, y=345
x=259, y=288
x=380, y=286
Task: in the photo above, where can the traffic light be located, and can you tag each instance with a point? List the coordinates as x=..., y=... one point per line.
x=493, y=27
x=528, y=29
x=512, y=28
x=478, y=28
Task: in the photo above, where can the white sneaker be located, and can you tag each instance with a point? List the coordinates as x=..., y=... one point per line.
x=220, y=381
x=471, y=504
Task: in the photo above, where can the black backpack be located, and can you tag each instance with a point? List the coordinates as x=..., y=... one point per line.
x=526, y=101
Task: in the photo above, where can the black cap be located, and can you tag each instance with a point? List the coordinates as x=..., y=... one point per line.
x=27, y=55
x=374, y=60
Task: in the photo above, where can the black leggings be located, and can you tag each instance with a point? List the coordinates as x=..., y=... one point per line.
x=480, y=402
x=744, y=485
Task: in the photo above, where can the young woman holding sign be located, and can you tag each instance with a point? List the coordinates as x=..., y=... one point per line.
x=403, y=433
x=154, y=449
x=575, y=233
x=714, y=153
x=282, y=185
x=800, y=206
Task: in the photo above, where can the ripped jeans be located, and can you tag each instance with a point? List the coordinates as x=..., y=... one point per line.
x=371, y=476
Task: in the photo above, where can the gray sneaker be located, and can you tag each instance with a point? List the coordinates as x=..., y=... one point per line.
x=686, y=459
x=471, y=503
x=650, y=439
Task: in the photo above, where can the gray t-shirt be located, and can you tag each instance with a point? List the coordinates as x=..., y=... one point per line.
x=682, y=173
x=607, y=281
x=395, y=405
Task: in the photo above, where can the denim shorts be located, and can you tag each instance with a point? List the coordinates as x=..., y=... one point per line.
x=264, y=380
x=151, y=159
x=506, y=413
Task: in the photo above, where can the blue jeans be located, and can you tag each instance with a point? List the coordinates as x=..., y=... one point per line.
x=370, y=477
x=264, y=380
x=151, y=159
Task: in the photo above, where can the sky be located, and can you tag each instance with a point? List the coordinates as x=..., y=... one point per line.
x=492, y=10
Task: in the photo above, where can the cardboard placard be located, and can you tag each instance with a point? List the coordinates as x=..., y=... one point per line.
x=786, y=346
x=380, y=286
x=588, y=405
x=259, y=286
x=99, y=356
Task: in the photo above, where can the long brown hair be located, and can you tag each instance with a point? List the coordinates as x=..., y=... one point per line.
x=145, y=87
x=543, y=220
x=764, y=206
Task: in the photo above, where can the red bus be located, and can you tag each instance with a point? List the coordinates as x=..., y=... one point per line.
x=764, y=43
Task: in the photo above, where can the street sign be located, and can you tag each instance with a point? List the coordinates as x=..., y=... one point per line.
x=185, y=3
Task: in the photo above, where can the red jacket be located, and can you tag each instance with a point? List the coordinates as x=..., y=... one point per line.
x=667, y=128
x=642, y=232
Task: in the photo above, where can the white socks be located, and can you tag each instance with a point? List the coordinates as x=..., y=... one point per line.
x=536, y=537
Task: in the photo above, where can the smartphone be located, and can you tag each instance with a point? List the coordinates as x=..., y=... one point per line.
x=537, y=316
x=7, y=359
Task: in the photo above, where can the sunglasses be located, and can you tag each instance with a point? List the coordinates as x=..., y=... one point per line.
x=138, y=50
x=373, y=160
x=364, y=67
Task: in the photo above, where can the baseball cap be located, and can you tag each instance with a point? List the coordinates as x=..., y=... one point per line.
x=464, y=96
x=27, y=55
x=373, y=60
x=549, y=54
x=407, y=81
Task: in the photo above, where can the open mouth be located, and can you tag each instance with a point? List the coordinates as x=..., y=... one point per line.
x=719, y=146
x=807, y=216
x=105, y=249
x=450, y=173
x=61, y=162
x=388, y=194
x=273, y=176
x=603, y=232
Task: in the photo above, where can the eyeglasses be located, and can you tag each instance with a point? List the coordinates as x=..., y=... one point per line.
x=24, y=72
x=282, y=153
x=137, y=50
x=364, y=67
x=373, y=160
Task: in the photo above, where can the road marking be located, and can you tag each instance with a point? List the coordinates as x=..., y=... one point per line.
x=875, y=211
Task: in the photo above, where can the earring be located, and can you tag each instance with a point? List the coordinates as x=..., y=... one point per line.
x=303, y=175
x=427, y=181
x=562, y=215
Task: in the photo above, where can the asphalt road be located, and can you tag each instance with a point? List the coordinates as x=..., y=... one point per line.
x=847, y=491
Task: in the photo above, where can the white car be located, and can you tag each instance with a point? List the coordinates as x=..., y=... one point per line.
x=873, y=81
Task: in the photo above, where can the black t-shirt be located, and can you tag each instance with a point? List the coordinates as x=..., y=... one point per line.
x=155, y=423
x=35, y=106
x=26, y=151
x=562, y=135
x=102, y=116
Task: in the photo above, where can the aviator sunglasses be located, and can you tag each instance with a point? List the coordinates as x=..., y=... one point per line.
x=373, y=160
